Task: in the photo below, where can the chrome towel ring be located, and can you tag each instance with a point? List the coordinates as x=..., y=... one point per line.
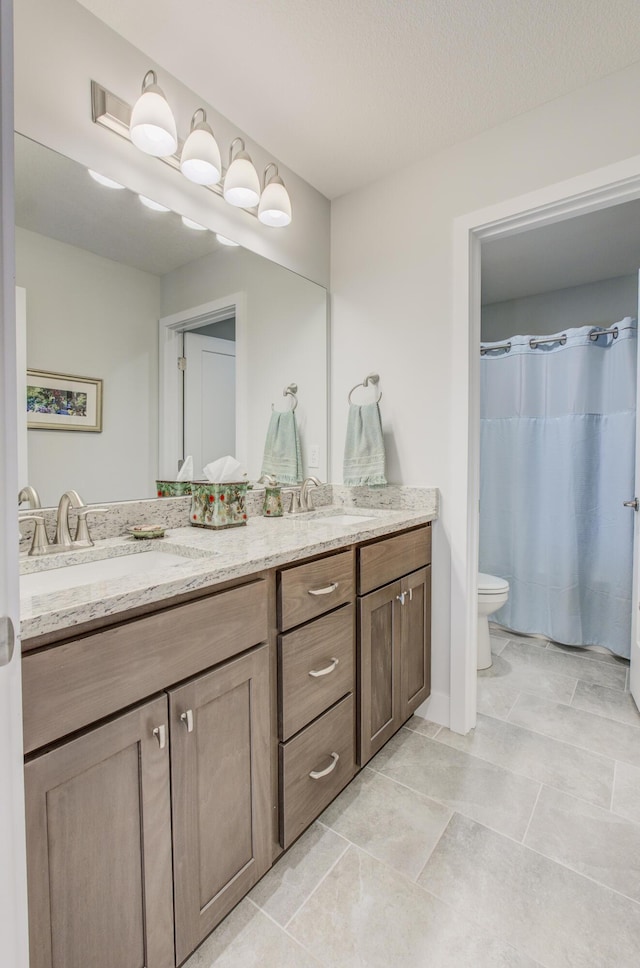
x=290, y=391
x=373, y=378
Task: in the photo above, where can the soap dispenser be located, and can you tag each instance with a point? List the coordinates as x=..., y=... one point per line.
x=272, y=504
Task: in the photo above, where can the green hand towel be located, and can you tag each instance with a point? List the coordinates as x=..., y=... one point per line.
x=364, y=446
x=282, y=455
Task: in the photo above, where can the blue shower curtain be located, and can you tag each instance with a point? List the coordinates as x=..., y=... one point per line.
x=557, y=462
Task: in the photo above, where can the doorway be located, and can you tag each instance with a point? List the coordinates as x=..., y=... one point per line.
x=601, y=189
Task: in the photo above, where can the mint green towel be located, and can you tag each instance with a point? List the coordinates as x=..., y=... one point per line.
x=364, y=446
x=282, y=454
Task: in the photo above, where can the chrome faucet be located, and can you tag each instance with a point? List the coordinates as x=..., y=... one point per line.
x=304, y=502
x=70, y=499
x=29, y=493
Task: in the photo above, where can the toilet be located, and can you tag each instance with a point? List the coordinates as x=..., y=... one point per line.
x=492, y=594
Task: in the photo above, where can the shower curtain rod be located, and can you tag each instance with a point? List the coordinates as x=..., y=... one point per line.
x=533, y=342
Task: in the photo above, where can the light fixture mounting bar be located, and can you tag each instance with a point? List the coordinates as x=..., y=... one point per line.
x=113, y=113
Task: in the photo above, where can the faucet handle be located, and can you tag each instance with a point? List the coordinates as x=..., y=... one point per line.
x=82, y=531
x=296, y=506
x=40, y=540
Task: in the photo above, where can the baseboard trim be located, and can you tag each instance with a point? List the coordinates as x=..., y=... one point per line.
x=435, y=708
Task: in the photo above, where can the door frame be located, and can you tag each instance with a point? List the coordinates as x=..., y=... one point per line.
x=589, y=192
x=171, y=409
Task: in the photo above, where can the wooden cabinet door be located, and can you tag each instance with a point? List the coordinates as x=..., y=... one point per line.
x=415, y=657
x=380, y=635
x=221, y=792
x=99, y=847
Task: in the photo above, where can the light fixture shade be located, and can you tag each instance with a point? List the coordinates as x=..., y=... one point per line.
x=152, y=204
x=104, y=180
x=192, y=224
x=200, y=160
x=153, y=128
x=275, y=204
x=223, y=240
x=241, y=183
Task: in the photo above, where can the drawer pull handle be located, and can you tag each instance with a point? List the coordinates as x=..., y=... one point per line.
x=316, y=673
x=187, y=719
x=401, y=597
x=160, y=734
x=318, y=774
x=324, y=591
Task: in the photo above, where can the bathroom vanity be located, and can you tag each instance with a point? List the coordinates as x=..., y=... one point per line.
x=182, y=729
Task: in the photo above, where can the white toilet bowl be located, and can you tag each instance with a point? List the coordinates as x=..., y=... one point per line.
x=492, y=594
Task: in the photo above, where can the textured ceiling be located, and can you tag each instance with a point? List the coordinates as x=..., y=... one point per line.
x=344, y=91
x=600, y=245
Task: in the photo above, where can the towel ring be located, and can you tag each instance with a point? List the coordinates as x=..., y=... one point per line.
x=371, y=378
x=289, y=391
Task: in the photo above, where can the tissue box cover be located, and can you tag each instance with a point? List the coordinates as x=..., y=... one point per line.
x=173, y=488
x=218, y=505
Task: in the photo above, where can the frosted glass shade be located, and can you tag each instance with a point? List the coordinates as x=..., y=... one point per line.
x=241, y=183
x=275, y=204
x=200, y=161
x=153, y=127
x=104, y=180
x=191, y=224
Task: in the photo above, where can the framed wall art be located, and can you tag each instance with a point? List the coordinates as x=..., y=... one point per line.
x=59, y=401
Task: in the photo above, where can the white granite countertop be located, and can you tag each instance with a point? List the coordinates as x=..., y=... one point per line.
x=196, y=558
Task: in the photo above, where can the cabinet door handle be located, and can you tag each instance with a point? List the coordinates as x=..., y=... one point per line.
x=316, y=673
x=318, y=774
x=401, y=597
x=187, y=719
x=411, y=594
x=324, y=591
x=160, y=734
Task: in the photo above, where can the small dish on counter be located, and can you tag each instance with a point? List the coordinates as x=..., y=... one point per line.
x=147, y=531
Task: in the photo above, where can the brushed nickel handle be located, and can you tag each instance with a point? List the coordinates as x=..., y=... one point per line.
x=401, y=597
x=187, y=719
x=316, y=673
x=632, y=504
x=160, y=734
x=7, y=640
x=324, y=591
x=318, y=774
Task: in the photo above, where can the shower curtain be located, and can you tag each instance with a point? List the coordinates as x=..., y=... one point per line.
x=557, y=462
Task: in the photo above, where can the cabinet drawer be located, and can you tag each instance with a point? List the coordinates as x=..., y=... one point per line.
x=314, y=766
x=310, y=590
x=387, y=560
x=72, y=685
x=317, y=667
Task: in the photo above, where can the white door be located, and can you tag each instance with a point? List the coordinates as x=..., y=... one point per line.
x=209, y=399
x=13, y=894
x=634, y=675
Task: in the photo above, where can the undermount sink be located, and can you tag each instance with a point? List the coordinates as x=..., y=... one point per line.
x=339, y=518
x=147, y=563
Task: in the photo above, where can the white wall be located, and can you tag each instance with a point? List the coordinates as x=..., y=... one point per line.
x=594, y=304
x=285, y=341
x=89, y=316
x=391, y=263
x=60, y=47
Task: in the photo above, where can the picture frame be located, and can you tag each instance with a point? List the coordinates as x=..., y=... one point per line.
x=61, y=401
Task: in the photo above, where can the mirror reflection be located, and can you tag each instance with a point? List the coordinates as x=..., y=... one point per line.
x=110, y=289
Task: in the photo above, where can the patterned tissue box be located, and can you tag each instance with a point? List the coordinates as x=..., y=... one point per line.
x=218, y=505
x=173, y=488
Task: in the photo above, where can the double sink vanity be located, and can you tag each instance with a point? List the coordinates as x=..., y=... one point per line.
x=193, y=703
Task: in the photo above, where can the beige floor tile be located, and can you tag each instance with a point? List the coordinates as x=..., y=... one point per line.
x=247, y=938
x=626, y=792
x=424, y=726
x=496, y=697
x=610, y=703
x=535, y=658
x=465, y=783
x=584, y=774
x=364, y=915
x=616, y=740
x=498, y=643
x=588, y=839
x=518, y=676
x=284, y=888
x=389, y=821
x=558, y=917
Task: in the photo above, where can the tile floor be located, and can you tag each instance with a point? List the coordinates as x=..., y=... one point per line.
x=513, y=847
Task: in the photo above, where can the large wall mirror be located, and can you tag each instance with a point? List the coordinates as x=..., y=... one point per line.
x=107, y=288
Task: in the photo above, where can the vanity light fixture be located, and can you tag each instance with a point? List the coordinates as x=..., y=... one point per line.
x=275, y=204
x=241, y=183
x=153, y=128
x=191, y=224
x=150, y=125
x=200, y=159
x=223, y=240
x=154, y=206
x=103, y=180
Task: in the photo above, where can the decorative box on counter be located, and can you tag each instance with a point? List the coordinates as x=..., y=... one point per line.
x=218, y=505
x=173, y=488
